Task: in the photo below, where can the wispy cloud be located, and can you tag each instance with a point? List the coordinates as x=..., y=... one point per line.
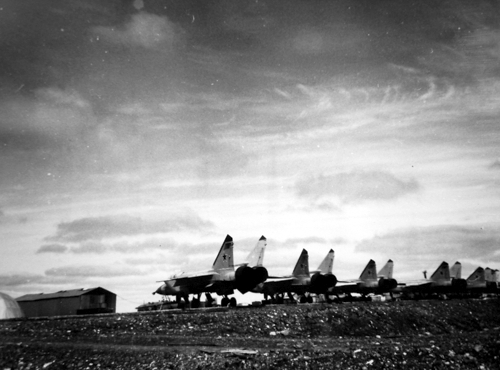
x=52, y=248
x=495, y=165
x=356, y=186
x=93, y=271
x=98, y=228
x=20, y=279
x=310, y=240
x=146, y=30
x=440, y=242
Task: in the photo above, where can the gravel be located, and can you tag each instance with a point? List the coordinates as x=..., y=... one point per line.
x=455, y=334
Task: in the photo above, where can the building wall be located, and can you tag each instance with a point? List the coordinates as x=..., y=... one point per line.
x=51, y=307
x=96, y=301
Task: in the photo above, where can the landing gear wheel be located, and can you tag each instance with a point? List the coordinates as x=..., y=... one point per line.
x=232, y=302
x=309, y=299
x=195, y=303
x=224, y=302
x=303, y=299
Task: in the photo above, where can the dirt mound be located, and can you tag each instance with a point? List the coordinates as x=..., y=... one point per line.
x=421, y=334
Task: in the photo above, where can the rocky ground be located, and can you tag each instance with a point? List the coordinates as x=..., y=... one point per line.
x=454, y=334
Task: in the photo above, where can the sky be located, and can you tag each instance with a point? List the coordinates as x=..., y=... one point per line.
x=135, y=135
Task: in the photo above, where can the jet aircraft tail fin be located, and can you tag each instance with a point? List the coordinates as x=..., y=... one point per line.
x=256, y=256
x=456, y=271
x=387, y=270
x=478, y=275
x=224, y=259
x=370, y=271
x=442, y=272
x=302, y=265
x=326, y=267
x=488, y=274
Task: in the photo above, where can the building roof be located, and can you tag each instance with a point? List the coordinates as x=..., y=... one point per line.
x=60, y=294
x=9, y=308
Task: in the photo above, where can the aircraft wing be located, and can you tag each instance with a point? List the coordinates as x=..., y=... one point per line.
x=340, y=282
x=416, y=285
x=192, y=281
x=275, y=285
x=347, y=286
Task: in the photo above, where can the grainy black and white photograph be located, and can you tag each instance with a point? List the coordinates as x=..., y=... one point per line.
x=250, y=184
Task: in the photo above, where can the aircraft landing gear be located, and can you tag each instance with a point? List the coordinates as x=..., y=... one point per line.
x=225, y=302
x=209, y=300
x=327, y=298
x=180, y=303
x=195, y=302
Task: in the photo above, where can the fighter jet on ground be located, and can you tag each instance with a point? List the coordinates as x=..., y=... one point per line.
x=476, y=282
x=221, y=279
x=492, y=279
x=441, y=281
x=456, y=271
x=323, y=280
x=300, y=282
x=369, y=281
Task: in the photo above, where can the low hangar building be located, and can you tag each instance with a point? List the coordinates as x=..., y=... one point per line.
x=68, y=302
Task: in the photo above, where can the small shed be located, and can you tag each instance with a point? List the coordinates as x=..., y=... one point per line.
x=68, y=302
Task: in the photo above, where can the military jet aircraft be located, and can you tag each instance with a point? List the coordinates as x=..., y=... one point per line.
x=369, y=281
x=491, y=277
x=476, y=282
x=323, y=280
x=440, y=282
x=221, y=279
x=300, y=282
x=456, y=271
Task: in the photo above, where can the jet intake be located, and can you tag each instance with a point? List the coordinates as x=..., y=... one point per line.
x=322, y=282
x=386, y=285
x=459, y=285
x=247, y=278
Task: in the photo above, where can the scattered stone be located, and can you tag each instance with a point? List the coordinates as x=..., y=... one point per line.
x=427, y=334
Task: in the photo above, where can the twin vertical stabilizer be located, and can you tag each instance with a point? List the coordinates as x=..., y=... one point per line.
x=224, y=259
x=256, y=256
x=442, y=272
x=302, y=266
x=370, y=271
x=326, y=267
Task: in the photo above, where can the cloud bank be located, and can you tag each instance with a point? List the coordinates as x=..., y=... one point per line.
x=356, y=187
x=105, y=227
x=441, y=242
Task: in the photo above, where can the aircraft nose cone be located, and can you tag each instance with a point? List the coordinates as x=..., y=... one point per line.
x=160, y=290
